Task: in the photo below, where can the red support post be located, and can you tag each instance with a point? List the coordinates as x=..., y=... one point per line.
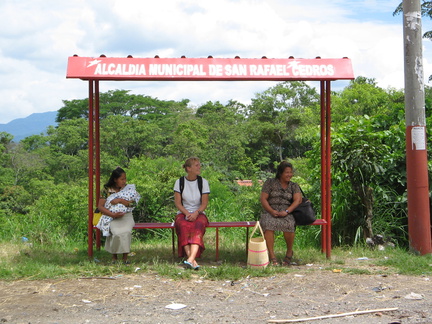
x=419, y=223
x=217, y=243
x=90, y=171
x=323, y=169
x=97, y=142
x=97, y=155
x=328, y=169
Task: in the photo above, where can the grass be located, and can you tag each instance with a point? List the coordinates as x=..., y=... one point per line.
x=25, y=261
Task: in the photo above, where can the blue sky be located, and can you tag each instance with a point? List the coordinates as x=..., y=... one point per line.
x=37, y=37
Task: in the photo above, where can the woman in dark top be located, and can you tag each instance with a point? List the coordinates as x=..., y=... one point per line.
x=279, y=197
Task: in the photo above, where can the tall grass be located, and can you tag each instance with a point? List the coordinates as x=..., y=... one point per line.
x=68, y=259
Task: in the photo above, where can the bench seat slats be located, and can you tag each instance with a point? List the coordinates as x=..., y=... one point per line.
x=212, y=224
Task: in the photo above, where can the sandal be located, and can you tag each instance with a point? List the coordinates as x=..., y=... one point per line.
x=188, y=265
x=287, y=260
x=274, y=262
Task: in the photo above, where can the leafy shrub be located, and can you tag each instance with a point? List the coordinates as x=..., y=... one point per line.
x=58, y=215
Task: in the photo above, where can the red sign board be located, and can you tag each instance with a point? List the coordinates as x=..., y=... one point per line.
x=209, y=69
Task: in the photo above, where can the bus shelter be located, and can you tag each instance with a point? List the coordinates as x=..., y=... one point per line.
x=96, y=69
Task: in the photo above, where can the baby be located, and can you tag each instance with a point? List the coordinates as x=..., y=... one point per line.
x=128, y=193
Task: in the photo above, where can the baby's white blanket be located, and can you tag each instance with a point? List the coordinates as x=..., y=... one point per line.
x=128, y=193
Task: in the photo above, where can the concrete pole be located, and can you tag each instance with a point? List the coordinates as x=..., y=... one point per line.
x=419, y=229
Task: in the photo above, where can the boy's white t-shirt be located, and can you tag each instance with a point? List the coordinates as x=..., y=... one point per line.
x=191, y=197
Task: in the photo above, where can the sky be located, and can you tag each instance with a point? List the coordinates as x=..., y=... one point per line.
x=38, y=36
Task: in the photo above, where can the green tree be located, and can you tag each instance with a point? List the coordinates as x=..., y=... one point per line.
x=24, y=164
x=279, y=112
x=361, y=97
x=122, y=103
x=6, y=172
x=73, y=109
x=70, y=137
x=368, y=161
x=154, y=178
x=5, y=142
x=226, y=139
x=67, y=220
x=125, y=137
x=67, y=160
x=113, y=102
x=368, y=175
x=14, y=200
x=190, y=139
x=360, y=152
x=36, y=142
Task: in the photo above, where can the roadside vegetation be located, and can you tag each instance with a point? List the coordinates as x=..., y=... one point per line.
x=43, y=188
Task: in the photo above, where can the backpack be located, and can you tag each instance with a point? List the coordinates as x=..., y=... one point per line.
x=200, y=184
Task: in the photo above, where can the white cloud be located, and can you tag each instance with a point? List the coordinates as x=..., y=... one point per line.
x=37, y=36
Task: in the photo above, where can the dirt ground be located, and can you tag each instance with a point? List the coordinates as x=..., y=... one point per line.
x=309, y=291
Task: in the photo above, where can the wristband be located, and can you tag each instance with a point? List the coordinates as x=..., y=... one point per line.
x=287, y=211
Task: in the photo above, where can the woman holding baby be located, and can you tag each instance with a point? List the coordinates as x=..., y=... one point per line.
x=117, y=201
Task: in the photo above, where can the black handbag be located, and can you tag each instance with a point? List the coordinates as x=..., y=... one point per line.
x=304, y=213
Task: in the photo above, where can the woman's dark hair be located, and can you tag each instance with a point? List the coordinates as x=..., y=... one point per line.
x=115, y=174
x=281, y=168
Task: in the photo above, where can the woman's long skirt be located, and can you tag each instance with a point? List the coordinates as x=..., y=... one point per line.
x=121, y=235
x=190, y=233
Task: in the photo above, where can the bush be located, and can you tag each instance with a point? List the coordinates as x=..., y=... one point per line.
x=59, y=215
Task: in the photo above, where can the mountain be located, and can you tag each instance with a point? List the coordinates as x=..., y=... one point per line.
x=34, y=124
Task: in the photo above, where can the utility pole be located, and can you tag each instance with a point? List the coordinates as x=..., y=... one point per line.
x=419, y=224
